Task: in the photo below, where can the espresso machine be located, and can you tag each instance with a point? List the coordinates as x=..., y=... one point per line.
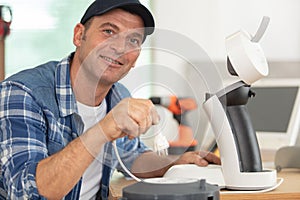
x=227, y=112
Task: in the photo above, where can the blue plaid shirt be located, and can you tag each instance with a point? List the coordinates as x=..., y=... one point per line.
x=39, y=117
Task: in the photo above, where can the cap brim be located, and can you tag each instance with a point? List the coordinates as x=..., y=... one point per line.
x=136, y=8
x=144, y=13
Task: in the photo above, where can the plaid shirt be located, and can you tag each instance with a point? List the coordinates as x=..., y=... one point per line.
x=38, y=117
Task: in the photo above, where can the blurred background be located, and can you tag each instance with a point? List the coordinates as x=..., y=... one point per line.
x=42, y=30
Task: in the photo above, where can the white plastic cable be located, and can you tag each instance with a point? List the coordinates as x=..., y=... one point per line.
x=161, y=146
x=279, y=181
x=122, y=164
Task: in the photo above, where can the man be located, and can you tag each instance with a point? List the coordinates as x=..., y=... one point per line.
x=58, y=120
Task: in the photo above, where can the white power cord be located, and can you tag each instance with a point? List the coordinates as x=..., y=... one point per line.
x=122, y=164
x=161, y=146
x=279, y=181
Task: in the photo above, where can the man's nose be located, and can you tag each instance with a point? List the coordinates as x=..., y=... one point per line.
x=118, y=44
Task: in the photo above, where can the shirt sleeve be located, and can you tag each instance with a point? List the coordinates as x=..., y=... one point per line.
x=22, y=141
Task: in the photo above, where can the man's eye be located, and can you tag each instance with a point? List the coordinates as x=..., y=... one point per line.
x=135, y=41
x=108, y=32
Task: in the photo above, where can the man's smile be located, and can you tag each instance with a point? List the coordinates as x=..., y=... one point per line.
x=110, y=60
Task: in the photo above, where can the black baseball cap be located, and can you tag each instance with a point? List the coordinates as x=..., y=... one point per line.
x=99, y=7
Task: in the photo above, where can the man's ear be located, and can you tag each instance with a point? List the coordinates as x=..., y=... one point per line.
x=78, y=34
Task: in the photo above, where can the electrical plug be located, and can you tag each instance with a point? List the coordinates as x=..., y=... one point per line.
x=161, y=145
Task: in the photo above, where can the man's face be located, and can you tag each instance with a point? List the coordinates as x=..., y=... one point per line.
x=110, y=46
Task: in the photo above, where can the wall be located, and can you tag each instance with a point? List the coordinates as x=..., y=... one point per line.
x=207, y=24
x=40, y=31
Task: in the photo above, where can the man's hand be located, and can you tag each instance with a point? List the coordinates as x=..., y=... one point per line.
x=149, y=164
x=131, y=117
x=201, y=158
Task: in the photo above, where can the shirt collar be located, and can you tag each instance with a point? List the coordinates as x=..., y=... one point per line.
x=63, y=87
x=64, y=93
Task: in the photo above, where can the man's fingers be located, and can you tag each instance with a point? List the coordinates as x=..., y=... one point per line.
x=143, y=112
x=204, y=158
x=199, y=158
x=210, y=157
x=201, y=162
x=154, y=116
x=134, y=117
